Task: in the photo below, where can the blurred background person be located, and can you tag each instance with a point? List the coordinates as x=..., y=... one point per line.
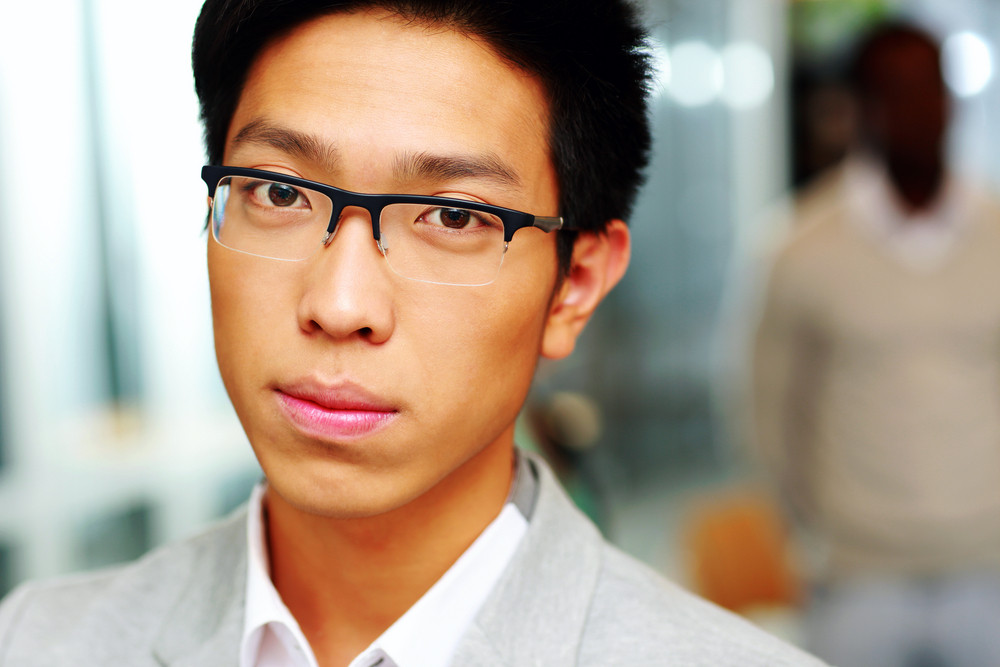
x=876, y=389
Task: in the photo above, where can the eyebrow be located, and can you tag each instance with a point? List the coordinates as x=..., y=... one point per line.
x=294, y=143
x=448, y=168
x=406, y=167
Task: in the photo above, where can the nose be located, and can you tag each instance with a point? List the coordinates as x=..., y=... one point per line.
x=347, y=287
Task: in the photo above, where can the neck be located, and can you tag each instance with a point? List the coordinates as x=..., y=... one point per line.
x=347, y=580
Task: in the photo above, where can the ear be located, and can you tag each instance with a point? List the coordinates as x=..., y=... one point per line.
x=599, y=262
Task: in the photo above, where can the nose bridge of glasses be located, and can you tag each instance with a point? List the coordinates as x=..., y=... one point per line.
x=343, y=210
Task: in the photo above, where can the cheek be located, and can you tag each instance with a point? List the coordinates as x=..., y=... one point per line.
x=487, y=336
x=244, y=315
x=227, y=321
x=476, y=369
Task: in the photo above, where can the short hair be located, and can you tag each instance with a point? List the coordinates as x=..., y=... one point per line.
x=885, y=36
x=592, y=60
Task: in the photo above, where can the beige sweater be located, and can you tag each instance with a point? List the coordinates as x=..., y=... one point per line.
x=877, y=385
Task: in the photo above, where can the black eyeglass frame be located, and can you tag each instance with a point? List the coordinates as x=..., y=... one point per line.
x=374, y=203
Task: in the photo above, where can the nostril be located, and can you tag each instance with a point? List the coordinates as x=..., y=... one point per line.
x=365, y=331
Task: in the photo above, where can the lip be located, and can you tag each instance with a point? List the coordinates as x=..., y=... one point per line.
x=341, y=412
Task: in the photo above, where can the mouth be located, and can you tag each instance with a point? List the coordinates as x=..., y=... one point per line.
x=337, y=413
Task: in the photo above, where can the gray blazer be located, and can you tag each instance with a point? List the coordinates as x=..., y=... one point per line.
x=567, y=598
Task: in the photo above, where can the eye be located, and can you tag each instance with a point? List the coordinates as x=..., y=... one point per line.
x=454, y=218
x=457, y=218
x=280, y=195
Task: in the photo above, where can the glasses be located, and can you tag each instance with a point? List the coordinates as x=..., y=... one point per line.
x=431, y=239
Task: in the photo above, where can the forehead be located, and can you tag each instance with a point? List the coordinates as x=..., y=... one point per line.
x=373, y=81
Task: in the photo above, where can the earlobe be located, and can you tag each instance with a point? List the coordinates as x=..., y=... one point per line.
x=599, y=262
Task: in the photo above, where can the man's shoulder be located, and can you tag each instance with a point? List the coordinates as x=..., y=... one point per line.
x=570, y=598
x=637, y=613
x=129, y=602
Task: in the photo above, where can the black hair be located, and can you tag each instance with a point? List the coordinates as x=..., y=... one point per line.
x=887, y=35
x=590, y=57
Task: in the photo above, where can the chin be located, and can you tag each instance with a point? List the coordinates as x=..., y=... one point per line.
x=351, y=496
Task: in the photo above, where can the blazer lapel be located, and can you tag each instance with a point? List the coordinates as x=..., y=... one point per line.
x=205, y=627
x=536, y=614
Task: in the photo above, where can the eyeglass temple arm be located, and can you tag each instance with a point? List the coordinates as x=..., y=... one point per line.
x=548, y=224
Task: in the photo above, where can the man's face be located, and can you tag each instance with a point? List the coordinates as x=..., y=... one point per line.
x=360, y=390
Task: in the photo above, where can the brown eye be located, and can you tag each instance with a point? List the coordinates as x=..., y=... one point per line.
x=455, y=218
x=282, y=195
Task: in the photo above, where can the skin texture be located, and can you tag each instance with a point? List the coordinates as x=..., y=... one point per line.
x=394, y=507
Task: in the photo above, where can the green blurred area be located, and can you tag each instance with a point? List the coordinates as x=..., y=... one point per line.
x=820, y=27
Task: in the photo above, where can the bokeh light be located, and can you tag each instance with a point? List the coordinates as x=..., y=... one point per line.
x=968, y=63
x=748, y=80
x=696, y=74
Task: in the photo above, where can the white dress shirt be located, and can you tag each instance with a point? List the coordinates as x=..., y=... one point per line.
x=425, y=636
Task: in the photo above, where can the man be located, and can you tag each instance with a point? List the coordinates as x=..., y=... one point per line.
x=378, y=347
x=877, y=361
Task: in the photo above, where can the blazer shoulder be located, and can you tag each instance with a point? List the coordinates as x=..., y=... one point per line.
x=638, y=616
x=116, y=609
x=569, y=599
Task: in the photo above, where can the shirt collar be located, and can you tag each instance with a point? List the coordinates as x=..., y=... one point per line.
x=269, y=629
x=271, y=634
x=420, y=637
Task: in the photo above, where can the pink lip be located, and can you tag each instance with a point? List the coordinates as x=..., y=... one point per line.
x=334, y=413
